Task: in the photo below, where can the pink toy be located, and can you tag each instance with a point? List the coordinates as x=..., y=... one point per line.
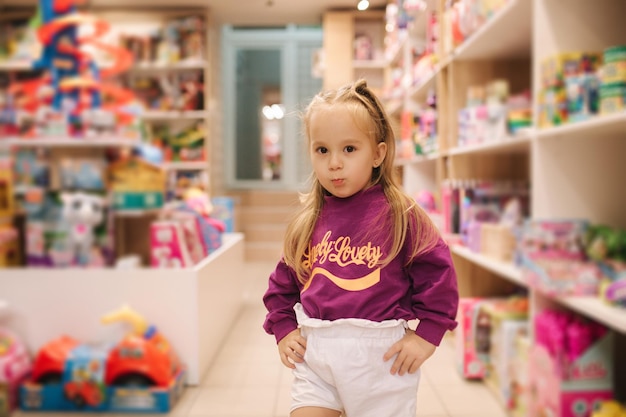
x=570, y=365
x=426, y=200
x=199, y=201
x=167, y=245
x=15, y=365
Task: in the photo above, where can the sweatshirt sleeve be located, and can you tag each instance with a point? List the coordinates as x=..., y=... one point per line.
x=281, y=296
x=435, y=296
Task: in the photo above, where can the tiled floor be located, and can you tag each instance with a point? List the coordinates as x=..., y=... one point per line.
x=247, y=378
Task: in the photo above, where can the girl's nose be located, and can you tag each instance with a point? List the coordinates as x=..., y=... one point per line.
x=335, y=161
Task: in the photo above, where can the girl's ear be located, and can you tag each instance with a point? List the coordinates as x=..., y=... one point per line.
x=381, y=152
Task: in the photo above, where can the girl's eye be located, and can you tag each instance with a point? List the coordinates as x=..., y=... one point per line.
x=350, y=149
x=321, y=149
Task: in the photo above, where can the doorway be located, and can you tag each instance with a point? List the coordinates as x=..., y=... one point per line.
x=268, y=80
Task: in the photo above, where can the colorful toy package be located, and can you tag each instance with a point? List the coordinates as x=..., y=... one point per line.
x=15, y=365
x=571, y=365
x=553, y=258
x=467, y=341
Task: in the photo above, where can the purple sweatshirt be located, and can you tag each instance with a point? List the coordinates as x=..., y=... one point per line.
x=350, y=238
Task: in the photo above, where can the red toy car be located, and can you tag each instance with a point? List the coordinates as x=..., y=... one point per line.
x=143, y=358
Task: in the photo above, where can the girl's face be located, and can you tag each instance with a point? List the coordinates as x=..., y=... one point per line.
x=343, y=155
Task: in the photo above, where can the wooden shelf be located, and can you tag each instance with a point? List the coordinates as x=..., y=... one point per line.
x=6, y=66
x=369, y=64
x=420, y=90
x=417, y=159
x=505, y=269
x=69, y=142
x=588, y=306
x=596, y=309
x=178, y=66
x=185, y=165
x=611, y=124
x=508, y=34
x=513, y=144
x=173, y=115
x=141, y=66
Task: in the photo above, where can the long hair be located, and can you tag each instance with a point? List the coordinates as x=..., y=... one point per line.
x=407, y=218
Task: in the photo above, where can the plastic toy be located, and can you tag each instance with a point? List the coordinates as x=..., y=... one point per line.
x=82, y=212
x=9, y=246
x=609, y=409
x=69, y=375
x=6, y=188
x=15, y=364
x=71, y=96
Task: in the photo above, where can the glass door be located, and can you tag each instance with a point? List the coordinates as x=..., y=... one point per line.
x=268, y=79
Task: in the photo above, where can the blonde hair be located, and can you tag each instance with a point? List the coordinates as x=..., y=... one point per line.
x=407, y=218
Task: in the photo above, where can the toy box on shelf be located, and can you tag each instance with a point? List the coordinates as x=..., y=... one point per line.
x=553, y=259
x=571, y=365
x=467, y=349
x=507, y=321
x=140, y=373
x=187, y=232
x=136, y=184
x=486, y=328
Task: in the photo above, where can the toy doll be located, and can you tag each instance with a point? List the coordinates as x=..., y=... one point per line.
x=82, y=212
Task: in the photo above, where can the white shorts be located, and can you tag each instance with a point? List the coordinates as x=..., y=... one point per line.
x=343, y=368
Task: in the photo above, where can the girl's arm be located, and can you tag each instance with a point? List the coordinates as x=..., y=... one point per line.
x=282, y=294
x=435, y=296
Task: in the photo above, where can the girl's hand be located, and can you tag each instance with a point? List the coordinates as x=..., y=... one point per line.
x=291, y=349
x=411, y=352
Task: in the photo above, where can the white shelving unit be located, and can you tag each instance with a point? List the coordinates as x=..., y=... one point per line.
x=193, y=307
x=576, y=170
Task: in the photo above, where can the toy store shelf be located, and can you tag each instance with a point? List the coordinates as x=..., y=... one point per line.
x=511, y=26
x=505, y=269
x=137, y=213
x=593, y=307
x=420, y=90
x=15, y=66
x=185, y=165
x=178, y=66
x=518, y=143
x=173, y=115
x=69, y=142
x=194, y=307
x=417, y=159
x=394, y=106
x=369, y=64
x=611, y=124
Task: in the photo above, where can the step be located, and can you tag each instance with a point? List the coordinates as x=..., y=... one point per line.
x=263, y=252
x=264, y=215
x=264, y=232
x=266, y=198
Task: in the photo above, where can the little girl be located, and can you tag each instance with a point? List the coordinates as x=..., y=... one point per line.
x=360, y=260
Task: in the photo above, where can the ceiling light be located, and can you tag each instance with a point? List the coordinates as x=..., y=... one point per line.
x=363, y=5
